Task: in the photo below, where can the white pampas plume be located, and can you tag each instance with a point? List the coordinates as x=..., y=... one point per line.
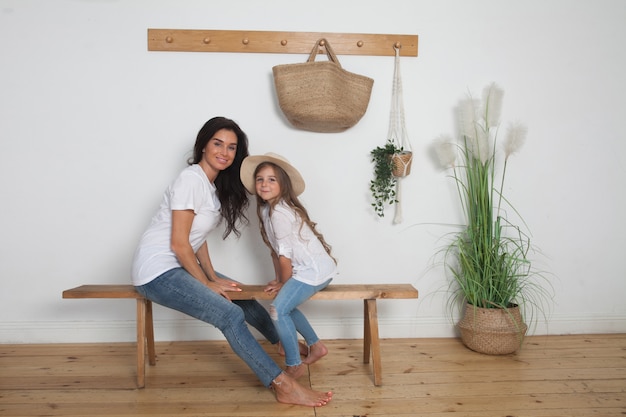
x=492, y=104
x=478, y=147
x=483, y=146
x=515, y=138
x=446, y=151
x=467, y=112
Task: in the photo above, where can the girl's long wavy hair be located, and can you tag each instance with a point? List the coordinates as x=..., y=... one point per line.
x=230, y=191
x=291, y=199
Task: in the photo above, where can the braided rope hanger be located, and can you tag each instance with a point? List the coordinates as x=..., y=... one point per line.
x=398, y=135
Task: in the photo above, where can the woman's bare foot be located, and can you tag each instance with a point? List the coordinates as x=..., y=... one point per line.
x=304, y=349
x=316, y=352
x=296, y=371
x=289, y=391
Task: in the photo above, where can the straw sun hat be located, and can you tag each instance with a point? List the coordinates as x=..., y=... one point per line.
x=249, y=164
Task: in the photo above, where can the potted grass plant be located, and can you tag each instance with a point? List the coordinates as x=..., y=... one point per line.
x=492, y=277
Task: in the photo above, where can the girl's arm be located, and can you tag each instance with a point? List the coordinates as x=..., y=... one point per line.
x=181, y=226
x=276, y=266
x=283, y=270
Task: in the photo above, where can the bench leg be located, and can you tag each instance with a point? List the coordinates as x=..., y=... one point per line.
x=150, y=334
x=371, y=340
x=145, y=339
x=367, y=337
x=141, y=343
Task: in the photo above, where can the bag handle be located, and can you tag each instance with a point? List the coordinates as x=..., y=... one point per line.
x=323, y=43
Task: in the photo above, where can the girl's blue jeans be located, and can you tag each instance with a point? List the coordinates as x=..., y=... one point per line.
x=289, y=320
x=178, y=290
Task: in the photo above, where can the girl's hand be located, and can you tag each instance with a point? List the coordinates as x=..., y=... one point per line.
x=273, y=287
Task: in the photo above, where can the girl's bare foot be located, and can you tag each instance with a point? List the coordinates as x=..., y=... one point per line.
x=316, y=352
x=296, y=371
x=289, y=391
x=304, y=349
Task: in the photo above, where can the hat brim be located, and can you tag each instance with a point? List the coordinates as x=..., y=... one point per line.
x=250, y=163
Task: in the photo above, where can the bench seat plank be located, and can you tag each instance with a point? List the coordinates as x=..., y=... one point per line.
x=369, y=293
x=255, y=292
x=336, y=292
x=102, y=291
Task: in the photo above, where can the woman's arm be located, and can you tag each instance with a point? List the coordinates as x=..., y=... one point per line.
x=207, y=266
x=205, y=262
x=181, y=226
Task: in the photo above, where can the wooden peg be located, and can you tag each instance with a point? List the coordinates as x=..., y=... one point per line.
x=322, y=42
x=169, y=39
x=206, y=41
x=245, y=41
x=359, y=44
x=397, y=45
x=283, y=42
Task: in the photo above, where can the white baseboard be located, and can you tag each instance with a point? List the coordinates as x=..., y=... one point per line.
x=345, y=328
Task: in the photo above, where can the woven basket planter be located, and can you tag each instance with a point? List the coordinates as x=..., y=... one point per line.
x=492, y=331
x=402, y=163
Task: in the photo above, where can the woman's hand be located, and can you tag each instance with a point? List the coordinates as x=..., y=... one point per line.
x=222, y=287
x=228, y=284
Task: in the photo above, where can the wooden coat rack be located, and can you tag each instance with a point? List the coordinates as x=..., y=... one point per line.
x=187, y=40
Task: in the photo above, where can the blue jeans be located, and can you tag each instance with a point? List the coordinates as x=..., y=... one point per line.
x=289, y=320
x=178, y=290
x=256, y=315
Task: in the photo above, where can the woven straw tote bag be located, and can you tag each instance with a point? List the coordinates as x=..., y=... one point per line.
x=321, y=96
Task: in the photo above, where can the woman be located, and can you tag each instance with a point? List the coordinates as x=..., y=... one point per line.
x=172, y=266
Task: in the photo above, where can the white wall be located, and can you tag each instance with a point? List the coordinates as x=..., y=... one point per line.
x=93, y=127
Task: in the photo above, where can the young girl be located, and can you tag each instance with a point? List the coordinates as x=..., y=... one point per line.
x=302, y=260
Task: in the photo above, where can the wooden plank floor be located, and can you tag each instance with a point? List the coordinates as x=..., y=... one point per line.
x=565, y=376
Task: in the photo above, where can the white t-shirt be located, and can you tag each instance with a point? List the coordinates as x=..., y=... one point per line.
x=192, y=190
x=311, y=264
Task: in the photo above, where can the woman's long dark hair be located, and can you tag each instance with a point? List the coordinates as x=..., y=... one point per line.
x=230, y=190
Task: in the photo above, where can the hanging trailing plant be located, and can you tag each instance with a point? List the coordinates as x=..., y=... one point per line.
x=392, y=161
x=383, y=186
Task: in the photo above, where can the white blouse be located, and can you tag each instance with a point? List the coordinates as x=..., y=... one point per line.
x=310, y=262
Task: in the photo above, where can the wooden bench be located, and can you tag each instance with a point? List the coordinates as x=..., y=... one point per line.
x=369, y=293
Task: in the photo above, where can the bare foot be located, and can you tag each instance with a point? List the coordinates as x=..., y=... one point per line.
x=296, y=371
x=317, y=351
x=304, y=349
x=289, y=391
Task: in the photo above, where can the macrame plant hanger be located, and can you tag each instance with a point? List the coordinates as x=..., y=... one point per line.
x=398, y=135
